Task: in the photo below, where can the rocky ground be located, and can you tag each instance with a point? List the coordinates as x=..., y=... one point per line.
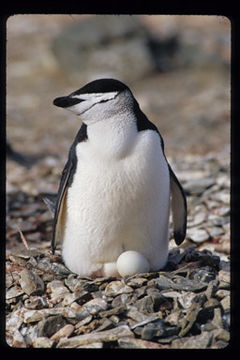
x=185, y=305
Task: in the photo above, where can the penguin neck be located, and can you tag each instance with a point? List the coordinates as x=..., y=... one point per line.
x=114, y=136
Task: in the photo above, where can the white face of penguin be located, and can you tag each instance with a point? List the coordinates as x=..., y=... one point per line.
x=88, y=101
x=94, y=106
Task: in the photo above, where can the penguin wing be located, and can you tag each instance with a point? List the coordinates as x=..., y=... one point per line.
x=65, y=182
x=179, y=208
x=58, y=221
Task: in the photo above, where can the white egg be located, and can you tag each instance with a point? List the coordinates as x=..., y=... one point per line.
x=132, y=262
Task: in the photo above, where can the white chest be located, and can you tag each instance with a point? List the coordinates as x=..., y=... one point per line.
x=118, y=202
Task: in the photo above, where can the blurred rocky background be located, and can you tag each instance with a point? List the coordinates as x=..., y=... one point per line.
x=178, y=68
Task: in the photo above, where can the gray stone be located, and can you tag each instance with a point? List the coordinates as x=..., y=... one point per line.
x=226, y=303
x=117, y=310
x=212, y=288
x=31, y=283
x=18, y=340
x=198, y=186
x=102, y=336
x=136, y=315
x=136, y=282
x=201, y=341
x=96, y=305
x=197, y=235
x=48, y=327
x=42, y=342
x=57, y=290
x=221, y=294
x=35, y=302
x=115, y=288
x=64, y=332
x=158, y=329
x=13, y=292
x=162, y=283
x=187, y=322
x=133, y=343
x=203, y=275
x=224, y=276
x=180, y=283
x=94, y=345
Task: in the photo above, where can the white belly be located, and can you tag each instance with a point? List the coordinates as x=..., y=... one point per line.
x=118, y=204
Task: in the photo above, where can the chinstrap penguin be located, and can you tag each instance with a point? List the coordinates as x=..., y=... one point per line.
x=114, y=193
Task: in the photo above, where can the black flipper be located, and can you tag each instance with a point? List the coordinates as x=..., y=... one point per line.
x=65, y=183
x=179, y=208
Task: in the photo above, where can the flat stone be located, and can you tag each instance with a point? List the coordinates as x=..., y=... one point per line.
x=203, y=275
x=31, y=283
x=186, y=299
x=105, y=324
x=224, y=276
x=187, y=322
x=198, y=219
x=157, y=329
x=33, y=316
x=27, y=253
x=103, y=336
x=226, y=303
x=147, y=320
x=64, y=332
x=136, y=315
x=57, y=290
x=215, y=231
x=221, y=294
x=133, y=343
x=198, y=186
x=48, y=327
x=162, y=283
x=94, y=345
x=18, y=340
x=114, y=311
x=13, y=292
x=115, y=288
x=201, y=341
x=96, y=305
x=197, y=235
x=221, y=334
x=181, y=283
x=137, y=282
x=42, y=342
x=35, y=302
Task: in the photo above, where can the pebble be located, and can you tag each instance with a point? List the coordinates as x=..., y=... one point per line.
x=14, y=292
x=48, y=327
x=226, y=302
x=198, y=186
x=106, y=336
x=31, y=283
x=115, y=288
x=201, y=341
x=197, y=235
x=94, y=306
x=42, y=342
x=64, y=332
x=133, y=343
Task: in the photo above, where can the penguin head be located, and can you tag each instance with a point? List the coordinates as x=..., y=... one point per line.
x=98, y=99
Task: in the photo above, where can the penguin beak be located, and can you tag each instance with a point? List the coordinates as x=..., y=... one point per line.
x=66, y=101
